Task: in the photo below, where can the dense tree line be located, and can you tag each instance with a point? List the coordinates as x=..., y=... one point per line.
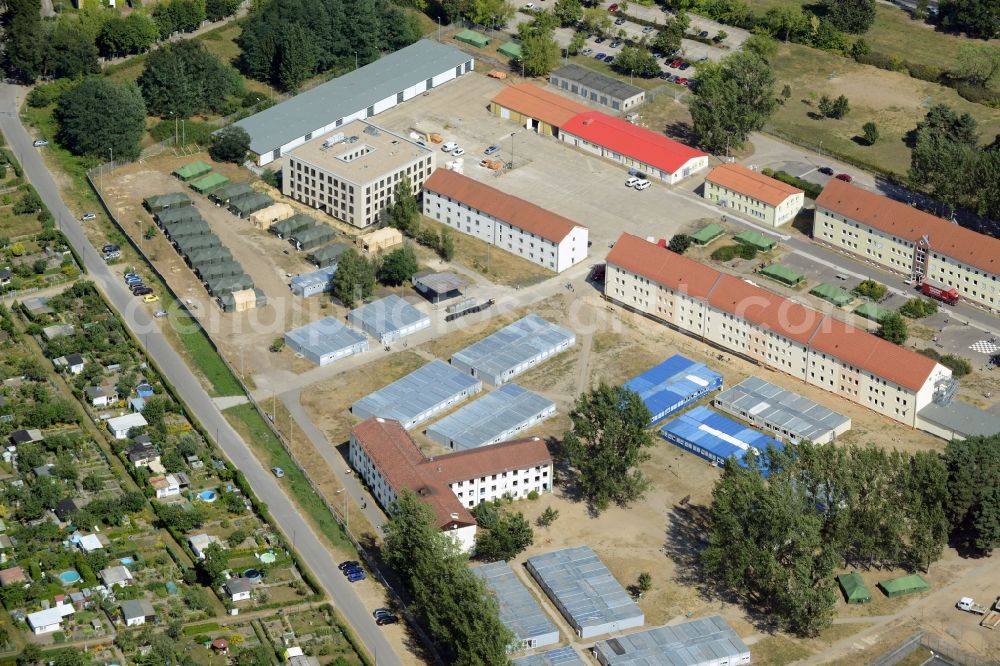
x=977, y=18
x=285, y=42
x=778, y=527
x=448, y=599
x=949, y=163
x=734, y=98
x=184, y=79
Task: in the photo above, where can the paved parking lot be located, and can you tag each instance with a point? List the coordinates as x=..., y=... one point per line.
x=546, y=172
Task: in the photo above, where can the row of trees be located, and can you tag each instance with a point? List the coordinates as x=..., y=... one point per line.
x=285, y=42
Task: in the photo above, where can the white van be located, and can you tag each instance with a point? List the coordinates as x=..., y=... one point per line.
x=448, y=147
x=631, y=181
x=642, y=184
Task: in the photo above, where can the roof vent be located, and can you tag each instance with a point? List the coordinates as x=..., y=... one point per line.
x=454, y=516
x=380, y=419
x=588, y=121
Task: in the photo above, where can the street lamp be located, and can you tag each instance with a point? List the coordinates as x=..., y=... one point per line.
x=355, y=60
x=512, y=149
x=347, y=516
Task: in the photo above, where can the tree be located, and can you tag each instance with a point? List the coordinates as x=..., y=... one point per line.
x=973, y=503
x=893, y=328
x=231, y=144
x=125, y=36
x=354, y=279
x=216, y=10
x=214, y=564
x=446, y=245
x=597, y=20
x=23, y=54
x=82, y=118
x=855, y=16
x=606, y=445
x=548, y=517
x=398, y=266
x=945, y=155
x=668, y=38
x=918, y=308
x=679, y=243
x=978, y=64
x=539, y=54
x=860, y=49
x=182, y=79
x=404, y=213
x=871, y=133
x=30, y=655
x=644, y=583
x=977, y=18
x=569, y=12
x=871, y=289
x=761, y=43
x=836, y=108
x=178, y=16
x=502, y=535
x=636, y=60
x=92, y=483
x=576, y=42
x=296, y=59
x=69, y=54
x=720, y=36
x=733, y=99
x=787, y=23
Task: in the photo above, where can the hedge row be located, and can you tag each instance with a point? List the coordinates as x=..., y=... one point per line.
x=811, y=189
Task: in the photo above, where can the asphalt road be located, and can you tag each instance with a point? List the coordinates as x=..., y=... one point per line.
x=295, y=527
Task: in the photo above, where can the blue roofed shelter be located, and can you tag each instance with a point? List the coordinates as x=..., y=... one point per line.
x=673, y=384
x=715, y=437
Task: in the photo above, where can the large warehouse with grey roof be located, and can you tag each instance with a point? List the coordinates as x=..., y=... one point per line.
x=363, y=93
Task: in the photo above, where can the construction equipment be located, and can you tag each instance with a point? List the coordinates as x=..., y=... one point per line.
x=991, y=620
x=418, y=134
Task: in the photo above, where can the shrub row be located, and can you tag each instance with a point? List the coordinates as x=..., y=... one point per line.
x=811, y=189
x=932, y=74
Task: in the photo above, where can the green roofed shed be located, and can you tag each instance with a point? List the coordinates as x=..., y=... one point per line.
x=707, y=234
x=757, y=240
x=783, y=274
x=511, y=49
x=227, y=192
x=159, y=202
x=295, y=223
x=832, y=293
x=192, y=171
x=172, y=215
x=854, y=588
x=897, y=587
x=209, y=183
x=871, y=311
x=473, y=38
x=247, y=204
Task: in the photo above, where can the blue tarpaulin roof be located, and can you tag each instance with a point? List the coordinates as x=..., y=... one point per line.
x=713, y=436
x=672, y=384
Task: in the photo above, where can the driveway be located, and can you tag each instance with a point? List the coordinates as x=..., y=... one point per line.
x=286, y=517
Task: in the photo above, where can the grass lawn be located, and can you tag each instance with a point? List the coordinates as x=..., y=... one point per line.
x=604, y=68
x=271, y=453
x=894, y=101
x=15, y=226
x=777, y=650
x=496, y=264
x=204, y=357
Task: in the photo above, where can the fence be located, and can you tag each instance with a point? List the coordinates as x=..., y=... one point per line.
x=109, y=167
x=946, y=651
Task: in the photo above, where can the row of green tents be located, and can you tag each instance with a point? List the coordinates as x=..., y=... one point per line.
x=853, y=587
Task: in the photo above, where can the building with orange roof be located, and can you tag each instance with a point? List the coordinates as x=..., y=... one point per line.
x=753, y=194
x=535, y=108
x=512, y=224
x=744, y=319
x=909, y=241
x=388, y=460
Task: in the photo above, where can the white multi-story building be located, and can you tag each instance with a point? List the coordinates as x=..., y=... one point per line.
x=512, y=224
x=759, y=325
x=753, y=194
x=352, y=174
x=909, y=241
x=388, y=460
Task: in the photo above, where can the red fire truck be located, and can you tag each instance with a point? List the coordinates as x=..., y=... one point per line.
x=944, y=294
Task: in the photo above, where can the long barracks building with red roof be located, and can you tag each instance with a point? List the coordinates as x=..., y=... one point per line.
x=734, y=314
x=909, y=241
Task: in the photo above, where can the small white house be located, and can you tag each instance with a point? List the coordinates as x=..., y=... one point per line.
x=238, y=589
x=137, y=612
x=169, y=485
x=88, y=543
x=50, y=619
x=100, y=396
x=199, y=542
x=120, y=425
x=74, y=363
x=118, y=576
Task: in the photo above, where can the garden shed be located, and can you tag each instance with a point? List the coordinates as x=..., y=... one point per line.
x=854, y=588
x=209, y=183
x=247, y=204
x=756, y=240
x=832, y=293
x=264, y=218
x=156, y=203
x=708, y=233
x=193, y=170
x=473, y=38
x=783, y=274
x=897, y=587
x=312, y=237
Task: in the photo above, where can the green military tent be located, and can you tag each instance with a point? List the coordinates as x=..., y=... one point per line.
x=511, y=49
x=155, y=204
x=327, y=255
x=173, y=215
x=783, y=274
x=313, y=237
x=209, y=183
x=227, y=192
x=757, y=240
x=871, y=311
x=210, y=272
x=854, y=588
x=192, y=170
x=897, y=587
x=708, y=233
x=227, y=285
x=189, y=244
x=192, y=228
x=209, y=255
x=247, y=204
x=228, y=302
x=473, y=38
x=295, y=223
x=832, y=293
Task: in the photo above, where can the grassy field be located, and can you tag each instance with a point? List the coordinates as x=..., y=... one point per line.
x=605, y=68
x=204, y=357
x=250, y=425
x=894, y=101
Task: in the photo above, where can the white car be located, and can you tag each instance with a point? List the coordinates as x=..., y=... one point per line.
x=87, y=217
x=448, y=147
x=642, y=184
x=587, y=51
x=458, y=152
x=530, y=5
x=632, y=181
x=39, y=142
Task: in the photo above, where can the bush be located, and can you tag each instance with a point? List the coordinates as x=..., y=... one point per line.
x=732, y=251
x=978, y=94
x=881, y=60
x=959, y=366
x=194, y=132
x=46, y=94
x=876, y=291
x=811, y=189
x=918, y=308
x=924, y=72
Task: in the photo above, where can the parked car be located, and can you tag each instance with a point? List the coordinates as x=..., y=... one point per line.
x=492, y=149
x=613, y=8
x=642, y=184
x=826, y=170
x=386, y=619
x=278, y=472
x=355, y=576
x=601, y=40
x=448, y=147
x=600, y=56
x=39, y=142
x=684, y=65
x=142, y=291
x=620, y=20
x=846, y=177
x=110, y=247
x=381, y=611
x=160, y=313
x=150, y=298
x=586, y=51
x=648, y=29
x=691, y=83
x=530, y=5
x=615, y=44
x=348, y=563
x=609, y=59
x=665, y=76
x=676, y=62
x=87, y=217
x=703, y=34
x=632, y=180
x=681, y=81
x=458, y=152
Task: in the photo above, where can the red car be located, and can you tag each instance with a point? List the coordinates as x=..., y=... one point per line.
x=613, y=8
x=846, y=177
x=681, y=81
x=677, y=63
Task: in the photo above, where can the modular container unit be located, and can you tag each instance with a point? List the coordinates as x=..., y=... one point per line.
x=496, y=417
x=519, y=611
x=314, y=283
x=714, y=437
x=326, y=341
x=389, y=319
x=707, y=641
x=674, y=384
x=513, y=349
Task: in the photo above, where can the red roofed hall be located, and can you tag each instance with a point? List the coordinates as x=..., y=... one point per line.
x=512, y=224
x=535, y=108
x=632, y=146
x=909, y=241
x=753, y=194
x=737, y=315
x=388, y=460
